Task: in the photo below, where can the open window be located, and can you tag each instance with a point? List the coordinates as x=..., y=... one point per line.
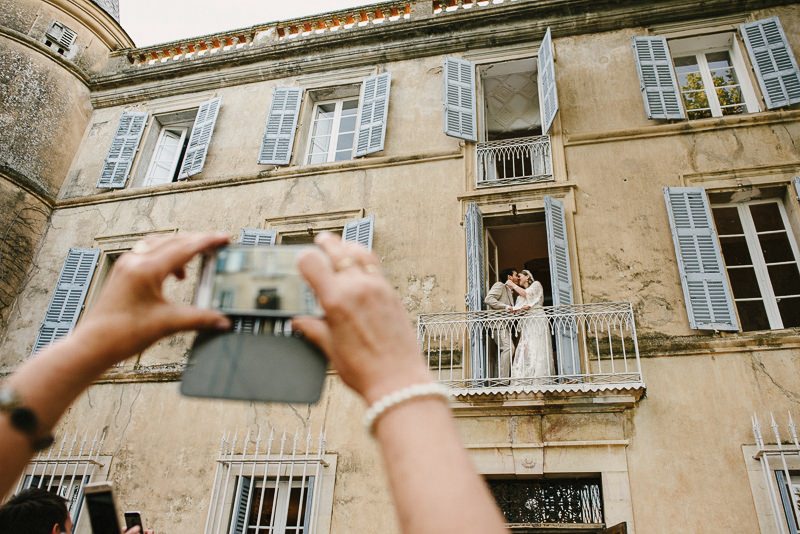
x=165, y=147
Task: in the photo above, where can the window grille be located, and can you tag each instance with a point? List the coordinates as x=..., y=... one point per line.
x=780, y=465
x=268, y=483
x=66, y=468
x=549, y=501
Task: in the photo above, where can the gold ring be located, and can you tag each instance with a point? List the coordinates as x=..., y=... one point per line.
x=140, y=247
x=344, y=263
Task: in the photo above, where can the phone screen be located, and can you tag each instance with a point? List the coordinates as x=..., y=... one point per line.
x=102, y=513
x=133, y=519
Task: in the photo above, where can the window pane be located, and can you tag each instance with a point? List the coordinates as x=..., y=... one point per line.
x=727, y=221
x=348, y=124
x=350, y=105
x=734, y=250
x=345, y=142
x=719, y=60
x=744, y=283
x=790, y=312
x=752, y=315
x=266, y=507
x=767, y=217
x=785, y=279
x=294, y=517
x=776, y=247
x=326, y=111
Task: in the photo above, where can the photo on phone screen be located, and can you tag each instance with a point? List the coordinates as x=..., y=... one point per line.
x=102, y=510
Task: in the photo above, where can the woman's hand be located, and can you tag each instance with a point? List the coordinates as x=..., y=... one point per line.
x=131, y=312
x=366, y=332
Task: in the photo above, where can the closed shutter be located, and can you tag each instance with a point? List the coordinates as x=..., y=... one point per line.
x=705, y=286
x=67, y=300
x=276, y=146
x=459, y=99
x=662, y=99
x=123, y=149
x=773, y=61
x=548, y=96
x=373, y=115
x=257, y=237
x=567, y=355
x=241, y=508
x=202, y=130
x=473, y=227
x=360, y=231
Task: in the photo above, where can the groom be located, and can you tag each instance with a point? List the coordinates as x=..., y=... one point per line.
x=500, y=297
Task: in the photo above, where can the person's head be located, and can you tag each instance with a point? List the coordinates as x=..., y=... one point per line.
x=509, y=274
x=35, y=511
x=525, y=278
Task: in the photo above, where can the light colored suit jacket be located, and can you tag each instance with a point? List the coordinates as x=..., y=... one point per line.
x=499, y=296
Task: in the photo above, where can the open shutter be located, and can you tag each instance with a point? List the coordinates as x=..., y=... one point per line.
x=705, y=286
x=67, y=300
x=197, y=149
x=473, y=227
x=276, y=146
x=548, y=96
x=123, y=149
x=662, y=99
x=241, y=508
x=567, y=355
x=374, y=104
x=360, y=231
x=257, y=237
x=459, y=99
x=773, y=61
x=796, y=181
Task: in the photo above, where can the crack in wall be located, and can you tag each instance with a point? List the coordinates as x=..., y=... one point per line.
x=759, y=367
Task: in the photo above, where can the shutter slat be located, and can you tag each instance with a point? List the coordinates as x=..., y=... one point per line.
x=774, y=63
x=548, y=95
x=709, y=303
x=473, y=229
x=360, y=231
x=459, y=99
x=257, y=237
x=374, y=108
x=662, y=99
x=200, y=138
x=67, y=300
x=241, y=509
x=123, y=148
x=279, y=132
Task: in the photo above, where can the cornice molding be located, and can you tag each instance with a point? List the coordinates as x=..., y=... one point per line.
x=26, y=184
x=103, y=25
x=36, y=46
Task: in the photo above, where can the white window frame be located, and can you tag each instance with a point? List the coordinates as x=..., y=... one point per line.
x=702, y=45
x=149, y=179
x=280, y=505
x=337, y=118
x=757, y=256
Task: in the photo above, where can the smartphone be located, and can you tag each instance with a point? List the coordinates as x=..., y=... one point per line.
x=134, y=519
x=102, y=508
x=255, y=282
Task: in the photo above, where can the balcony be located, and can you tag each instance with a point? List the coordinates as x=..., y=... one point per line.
x=593, y=348
x=524, y=159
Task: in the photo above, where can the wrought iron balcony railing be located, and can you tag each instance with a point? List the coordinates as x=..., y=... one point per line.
x=524, y=159
x=583, y=347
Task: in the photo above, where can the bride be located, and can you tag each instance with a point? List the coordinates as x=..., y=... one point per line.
x=533, y=354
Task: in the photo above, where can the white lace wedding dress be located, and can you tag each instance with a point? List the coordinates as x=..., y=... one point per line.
x=533, y=355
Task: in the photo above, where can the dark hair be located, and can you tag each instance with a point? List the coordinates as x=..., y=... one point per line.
x=33, y=511
x=505, y=273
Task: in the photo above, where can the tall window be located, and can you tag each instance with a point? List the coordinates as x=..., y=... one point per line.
x=166, y=146
x=761, y=258
x=332, y=131
x=712, y=76
x=277, y=506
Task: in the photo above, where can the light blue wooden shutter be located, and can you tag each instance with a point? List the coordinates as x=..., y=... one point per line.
x=120, y=156
x=796, y=181
x=241, y=508
x=202, y=130
x=459, y=99
x=473, y=228
x=662, y=99
x=567, y=354
x=276, y=146
x=257, y=237
x=773, y=61
x=548, y=95
x=705, y=286
x=67, y=300
x=373, y=115
x=360, y=231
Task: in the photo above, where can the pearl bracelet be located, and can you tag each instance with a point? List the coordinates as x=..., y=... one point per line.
x=390, y=400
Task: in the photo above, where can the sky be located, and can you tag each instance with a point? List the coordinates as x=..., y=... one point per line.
x=159, y=21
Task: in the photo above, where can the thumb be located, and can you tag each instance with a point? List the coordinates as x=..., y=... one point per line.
x=192, y=318
x=316, y=331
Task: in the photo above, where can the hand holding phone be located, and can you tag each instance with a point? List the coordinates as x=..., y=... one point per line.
x=134, y=519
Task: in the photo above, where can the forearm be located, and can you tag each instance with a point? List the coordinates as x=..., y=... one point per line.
x=433, y=482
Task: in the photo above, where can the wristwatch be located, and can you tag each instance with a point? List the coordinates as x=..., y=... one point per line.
x=23, y=419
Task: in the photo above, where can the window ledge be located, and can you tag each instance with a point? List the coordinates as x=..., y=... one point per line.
x=684, y=127
x=506, y=401
x=653, y=345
